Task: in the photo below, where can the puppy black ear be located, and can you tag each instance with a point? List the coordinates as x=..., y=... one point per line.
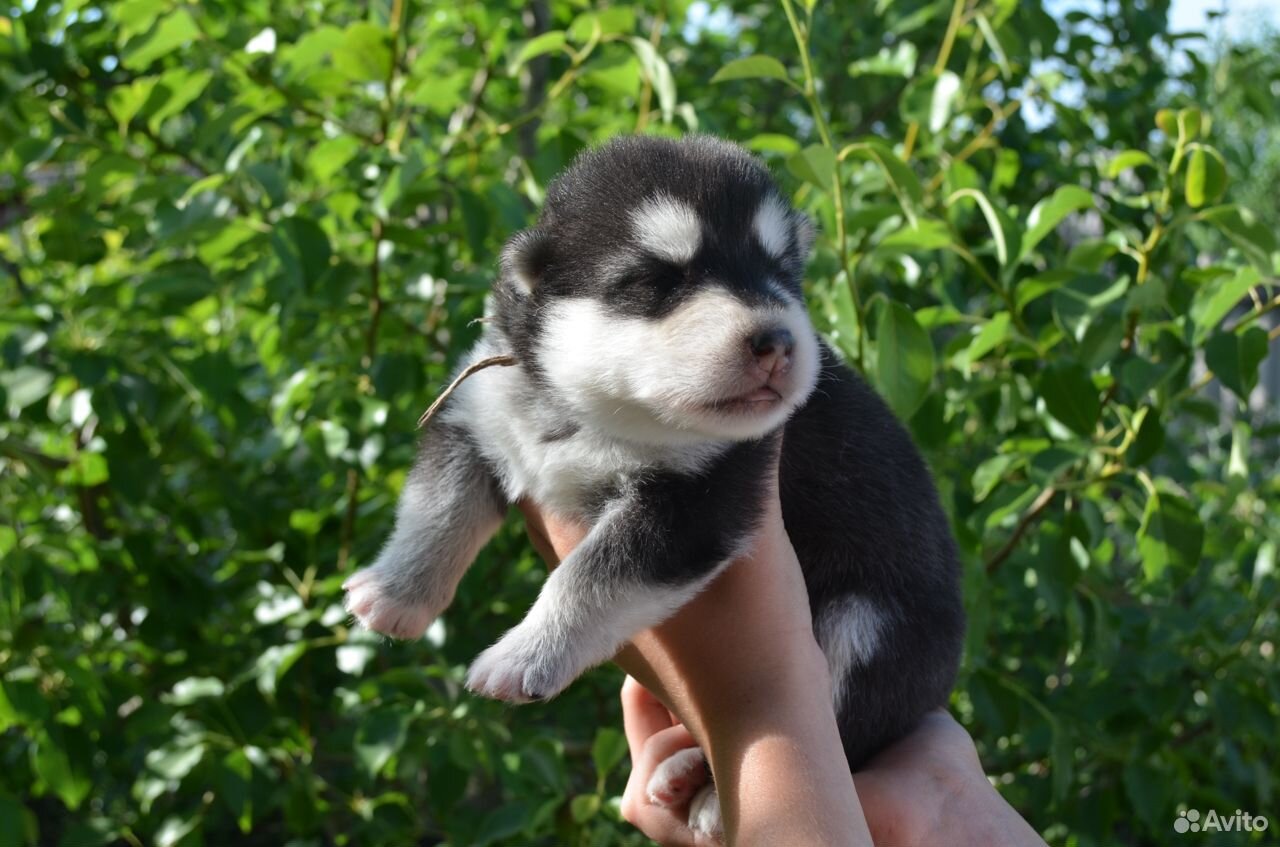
x=525, y=259
x=806, y=232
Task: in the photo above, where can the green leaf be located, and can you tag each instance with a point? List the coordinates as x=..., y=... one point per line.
x=945, y=92
x=174, y=829
x=584, y=807
x=1238, y=461
x=1171, y=534
x=125, y=101
x=1070, y=396
x=1190, y=123
x=194, y=688
x=331, y=155
x=904, y=182
x=24, y=385
x=503, y=823
x=658, y=72
x=772, y=142
x=1049, y=212
x=899, y=60
x=904, y=359
x=993, y=220
x=381, y=734
x=399, y=182
x=173, y=30
x=176, y=760
x=815, y=165
x=548, y=42
x=988, y=474
x=1253, y=237
x=612, y=20
x=17, y=824
x=926, y=234
x=364, y=54
x=1148, y=442
x=134, y=17
x=235, y=788
x=1127, y=160
x=303, y=250
x=997, y=49
x=61, y=772
x=1215, y=299
x=1234, y=358
x=274, y=663
x=1086, y=295
x=993, y=333
x=608, y=749
x=1206, y=176
x=752, y=67
x=179, y=88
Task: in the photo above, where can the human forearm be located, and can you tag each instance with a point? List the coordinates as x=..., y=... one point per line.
x=774, y=748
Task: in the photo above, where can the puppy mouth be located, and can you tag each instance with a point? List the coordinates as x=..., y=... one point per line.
x=756, y=400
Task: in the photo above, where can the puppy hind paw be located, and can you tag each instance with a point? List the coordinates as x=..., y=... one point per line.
x=675, y=780
x=377, y=608
x=704, y=815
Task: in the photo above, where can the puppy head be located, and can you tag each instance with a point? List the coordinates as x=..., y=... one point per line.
x=659, y=295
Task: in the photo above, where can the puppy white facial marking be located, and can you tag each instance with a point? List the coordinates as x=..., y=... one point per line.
x=668, y=229
x=849, y=632
x=772, y=225
x=652, y=380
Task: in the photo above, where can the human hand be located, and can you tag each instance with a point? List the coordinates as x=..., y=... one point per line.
x=740, y=668
x=927, y=789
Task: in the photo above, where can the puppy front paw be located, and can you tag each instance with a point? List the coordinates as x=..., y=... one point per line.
x=522, y=667
x=374, y=601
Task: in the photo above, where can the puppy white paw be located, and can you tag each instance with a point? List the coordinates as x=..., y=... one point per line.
x=522, y=667
x=677, y=777
x=377, y=606
x=704, y=814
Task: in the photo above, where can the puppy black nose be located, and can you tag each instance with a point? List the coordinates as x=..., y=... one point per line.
x=776, y=341
x=772, y=349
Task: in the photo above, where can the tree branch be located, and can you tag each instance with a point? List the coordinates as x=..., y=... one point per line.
x=1038, y=507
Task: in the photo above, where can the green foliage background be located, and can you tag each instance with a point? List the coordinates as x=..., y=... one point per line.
x=244, y=242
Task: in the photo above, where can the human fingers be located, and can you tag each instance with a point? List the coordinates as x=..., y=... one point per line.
x=658, y=817
x=643, y=715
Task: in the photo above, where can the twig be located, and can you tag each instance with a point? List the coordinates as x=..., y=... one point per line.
x=348, y=517
x=461, y=119
x=646, y=93
x=375, y=297
x=939, y=65
x=16, y=272
x=1037, y=508
x=500, y=361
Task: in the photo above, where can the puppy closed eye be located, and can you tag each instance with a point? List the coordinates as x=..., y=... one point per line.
x=653, y=274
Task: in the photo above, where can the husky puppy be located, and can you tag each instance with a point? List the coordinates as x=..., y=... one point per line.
x=664, y=348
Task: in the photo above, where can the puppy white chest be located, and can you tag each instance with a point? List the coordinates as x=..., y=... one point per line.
x=538, y=453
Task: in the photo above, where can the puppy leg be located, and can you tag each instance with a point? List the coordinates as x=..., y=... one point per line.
x=587, y=610
x=648, y=555
x=449, y=508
